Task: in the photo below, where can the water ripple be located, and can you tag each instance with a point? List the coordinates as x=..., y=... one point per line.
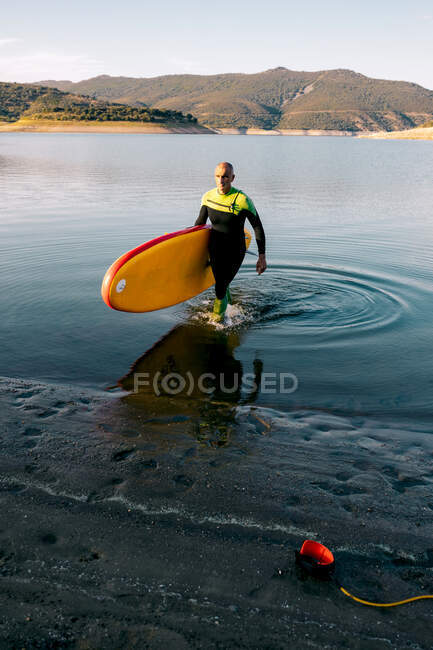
x=325, y=300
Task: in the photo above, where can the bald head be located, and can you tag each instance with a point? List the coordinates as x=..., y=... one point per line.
x=224, y=176
x=226, y=165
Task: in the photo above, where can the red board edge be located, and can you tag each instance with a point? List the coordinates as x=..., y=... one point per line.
x=110, y=274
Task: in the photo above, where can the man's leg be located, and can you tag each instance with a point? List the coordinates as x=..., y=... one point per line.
x=218, y=247
x=225, y=259
x=220, y=306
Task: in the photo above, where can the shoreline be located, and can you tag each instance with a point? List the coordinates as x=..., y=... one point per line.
x=121, y=529
x=52, y=126
x=418, y=133
x=284, y=132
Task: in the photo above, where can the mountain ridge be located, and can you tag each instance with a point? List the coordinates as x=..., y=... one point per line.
x=278, y=98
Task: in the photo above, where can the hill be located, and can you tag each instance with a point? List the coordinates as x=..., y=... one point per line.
x=274, y=99
x=33, y=102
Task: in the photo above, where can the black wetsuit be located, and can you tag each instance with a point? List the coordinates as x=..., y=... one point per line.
x=227, y=213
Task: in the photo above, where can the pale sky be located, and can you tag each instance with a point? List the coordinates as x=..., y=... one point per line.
x=78, y=39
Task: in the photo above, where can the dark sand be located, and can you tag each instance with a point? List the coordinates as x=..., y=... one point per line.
x=123, y=530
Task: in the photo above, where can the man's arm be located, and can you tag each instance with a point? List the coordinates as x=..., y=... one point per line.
x=202, y=217
x=259, y=233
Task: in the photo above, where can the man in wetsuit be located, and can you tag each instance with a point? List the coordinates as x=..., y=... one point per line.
x=227, y=209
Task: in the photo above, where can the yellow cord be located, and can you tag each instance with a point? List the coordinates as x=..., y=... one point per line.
x=399, y=602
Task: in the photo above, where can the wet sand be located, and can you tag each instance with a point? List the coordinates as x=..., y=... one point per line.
x=123, y=527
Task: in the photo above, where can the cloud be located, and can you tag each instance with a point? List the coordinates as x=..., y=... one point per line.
x=37, y=66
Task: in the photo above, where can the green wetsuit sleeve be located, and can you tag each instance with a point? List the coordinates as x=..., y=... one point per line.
x=259, y=233
x=202, y=217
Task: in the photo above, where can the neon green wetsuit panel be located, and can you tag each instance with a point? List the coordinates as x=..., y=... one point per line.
x=227, y=213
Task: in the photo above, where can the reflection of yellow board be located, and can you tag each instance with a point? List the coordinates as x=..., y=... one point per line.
x=162, y=272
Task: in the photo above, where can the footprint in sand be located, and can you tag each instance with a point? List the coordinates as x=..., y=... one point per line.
x=32, y=432
x=122, y=454
x=90, y=556
x=183, y=480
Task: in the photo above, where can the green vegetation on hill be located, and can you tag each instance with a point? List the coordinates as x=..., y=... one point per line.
x=43, y=103
x=278, y=98
x=15, y=99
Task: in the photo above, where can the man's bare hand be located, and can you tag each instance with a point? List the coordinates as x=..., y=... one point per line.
x=261, y=265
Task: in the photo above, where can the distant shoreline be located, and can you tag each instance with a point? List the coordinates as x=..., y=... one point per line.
x=275, y=132
x=54, y=126
x=419, y=133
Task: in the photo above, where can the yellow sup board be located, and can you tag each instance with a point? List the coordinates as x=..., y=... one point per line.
x=161, y=272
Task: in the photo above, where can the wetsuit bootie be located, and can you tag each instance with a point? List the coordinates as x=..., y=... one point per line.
x=219, y=308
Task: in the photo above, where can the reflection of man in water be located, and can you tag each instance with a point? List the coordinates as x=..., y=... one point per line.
x=227, y=209
x=200, y=358
x=210, y=378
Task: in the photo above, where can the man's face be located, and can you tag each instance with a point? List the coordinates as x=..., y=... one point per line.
x=224, y=178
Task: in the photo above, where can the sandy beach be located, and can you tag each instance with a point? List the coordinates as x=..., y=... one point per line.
x=54, y=126
x=119, y=530
x=420, y=133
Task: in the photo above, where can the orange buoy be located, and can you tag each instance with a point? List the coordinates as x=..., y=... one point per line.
x=315, y=558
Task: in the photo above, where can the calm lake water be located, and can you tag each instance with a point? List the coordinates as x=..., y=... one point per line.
x=345, y=305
